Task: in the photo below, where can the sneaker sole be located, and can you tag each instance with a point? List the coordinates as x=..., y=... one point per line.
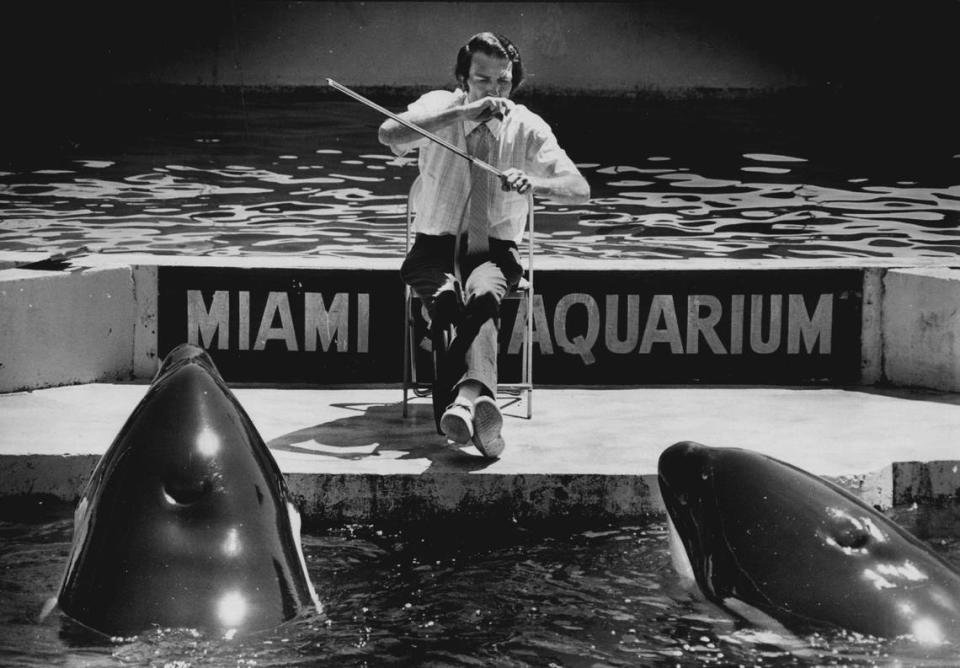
x=488, y=423
x=455, y=428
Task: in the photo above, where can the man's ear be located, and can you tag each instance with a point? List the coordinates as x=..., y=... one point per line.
x=463, y=84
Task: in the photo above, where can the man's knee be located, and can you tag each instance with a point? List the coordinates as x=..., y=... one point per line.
x=487, y=279
x=415, y=273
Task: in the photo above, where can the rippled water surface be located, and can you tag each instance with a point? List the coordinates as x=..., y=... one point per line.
x=450, y=596
x=281, y=175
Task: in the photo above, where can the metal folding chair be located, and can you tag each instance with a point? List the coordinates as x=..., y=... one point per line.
x=415, y=383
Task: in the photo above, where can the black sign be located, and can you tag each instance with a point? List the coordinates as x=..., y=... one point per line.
x=590, y=327
x=286, y=325
x=743, y=326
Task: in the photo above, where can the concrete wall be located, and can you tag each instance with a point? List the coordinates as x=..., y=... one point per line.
x=62, y=328
x=652, y=45
x=921, y=328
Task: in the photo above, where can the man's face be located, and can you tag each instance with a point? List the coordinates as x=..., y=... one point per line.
x=489, y=77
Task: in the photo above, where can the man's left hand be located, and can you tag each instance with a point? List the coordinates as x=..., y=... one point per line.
x=515, y=179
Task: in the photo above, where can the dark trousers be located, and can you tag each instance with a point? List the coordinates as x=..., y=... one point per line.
x=429, y=270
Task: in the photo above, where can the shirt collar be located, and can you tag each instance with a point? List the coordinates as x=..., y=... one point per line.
x=493, y=124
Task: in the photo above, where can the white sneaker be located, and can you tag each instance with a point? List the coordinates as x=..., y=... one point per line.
x=457, y=423
x=487, y=424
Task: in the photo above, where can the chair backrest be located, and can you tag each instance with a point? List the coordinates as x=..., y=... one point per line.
x=530, y=241
x=414, y=190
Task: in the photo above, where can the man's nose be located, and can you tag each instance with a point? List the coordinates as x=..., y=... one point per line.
x=492, y=90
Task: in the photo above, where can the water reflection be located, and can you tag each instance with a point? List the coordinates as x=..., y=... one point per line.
x=280, y=193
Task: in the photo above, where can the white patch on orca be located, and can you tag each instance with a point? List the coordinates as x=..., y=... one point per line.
x=680, y=559
x=295, y=524
x=768, y=630
x=48, y=606
x=756, y=616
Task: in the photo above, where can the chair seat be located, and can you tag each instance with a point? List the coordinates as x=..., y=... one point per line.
x=521, y=289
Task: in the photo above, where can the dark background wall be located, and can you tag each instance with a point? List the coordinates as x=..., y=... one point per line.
x=668, y=46
x=113, y=65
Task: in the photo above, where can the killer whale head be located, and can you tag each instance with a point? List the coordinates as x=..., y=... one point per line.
x=761, y=535
x=186, y=521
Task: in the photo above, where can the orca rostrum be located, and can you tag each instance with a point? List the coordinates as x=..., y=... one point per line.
x=186, y=521
x=768, y=541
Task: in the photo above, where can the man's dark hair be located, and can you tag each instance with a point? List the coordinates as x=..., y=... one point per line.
x=492, y=44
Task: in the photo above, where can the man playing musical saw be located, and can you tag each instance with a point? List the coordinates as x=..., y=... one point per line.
x=464, y=259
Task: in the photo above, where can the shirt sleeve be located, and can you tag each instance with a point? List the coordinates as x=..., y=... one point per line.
x=435, y=100
x=548, y=158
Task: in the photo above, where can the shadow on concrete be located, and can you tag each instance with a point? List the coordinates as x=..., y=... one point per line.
x=377, y=429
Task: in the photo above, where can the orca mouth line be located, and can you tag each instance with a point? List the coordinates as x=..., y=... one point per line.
x=180, y=494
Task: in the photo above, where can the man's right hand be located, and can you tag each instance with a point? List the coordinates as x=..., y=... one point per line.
x=486, y=108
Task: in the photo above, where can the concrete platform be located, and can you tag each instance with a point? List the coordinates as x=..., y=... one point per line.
x=349, y=455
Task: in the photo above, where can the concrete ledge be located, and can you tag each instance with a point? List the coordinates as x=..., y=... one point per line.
x=342, y=498
x=12, y=259
x=115, y=260
x=925, y=482
x=921, y=318
x=588, y=453
x=907, y=484
x=62, y=477
x=338, y=499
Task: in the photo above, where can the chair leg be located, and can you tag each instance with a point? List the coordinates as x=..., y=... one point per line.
x=406, y=354
x=528, y=354
x=441, y=385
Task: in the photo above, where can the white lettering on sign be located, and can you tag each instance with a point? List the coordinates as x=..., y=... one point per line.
x=579, y=344
x=812, y=328
x=703, y=325
x=330, y=325
x=244, y=333
x=662, y=308
x=541, y=328
x=207, y=324
x=756, y=322
x=328, y=322
x=757, y=343
x=612, y=339
x=278, y=304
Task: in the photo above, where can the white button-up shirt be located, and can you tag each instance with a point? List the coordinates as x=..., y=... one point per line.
x=524, y=141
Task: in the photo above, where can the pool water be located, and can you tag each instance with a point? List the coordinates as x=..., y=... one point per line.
x=301, y=175
x=456, y=595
